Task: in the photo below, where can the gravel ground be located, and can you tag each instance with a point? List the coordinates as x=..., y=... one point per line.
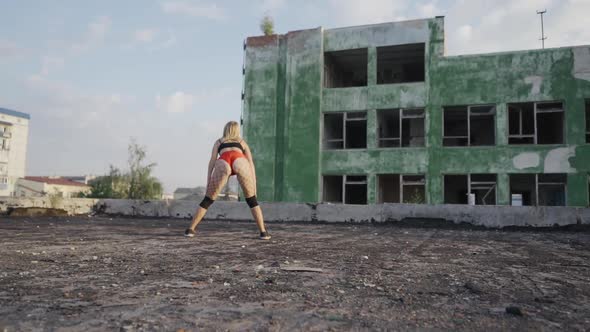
x=98, y=274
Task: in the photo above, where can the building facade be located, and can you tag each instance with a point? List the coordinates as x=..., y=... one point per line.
x=14, y=135
x=379, y=113
x=41, y=186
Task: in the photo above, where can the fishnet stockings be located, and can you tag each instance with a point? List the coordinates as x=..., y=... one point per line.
x=218, y=179
x=243, y=170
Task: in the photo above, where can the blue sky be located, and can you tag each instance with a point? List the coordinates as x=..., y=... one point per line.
x=92, y=74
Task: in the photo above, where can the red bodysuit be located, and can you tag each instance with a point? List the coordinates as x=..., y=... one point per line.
x=232, y=155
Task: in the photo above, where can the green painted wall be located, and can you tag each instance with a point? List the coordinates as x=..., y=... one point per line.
x=285, y=100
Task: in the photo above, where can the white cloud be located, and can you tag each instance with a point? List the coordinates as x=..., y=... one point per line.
x=178, y=102
x=95, y=34
x=272, y=5
x=203, y=101
x=506, y=25
x=146, y=35
x=79, y=108
x=9, y=49
x=195, y=9
x=49, y=63
x=464, y=32
x=428, y=10
x=356, y=12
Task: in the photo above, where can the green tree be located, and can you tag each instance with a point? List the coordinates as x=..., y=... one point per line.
x=137, y=183
x=142, y=185
x=267, y=25
x=113, y=185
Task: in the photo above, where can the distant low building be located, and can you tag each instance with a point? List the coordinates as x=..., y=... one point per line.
x=14, y=134
x=191, y=194
x=85, y=179
x=40, y=186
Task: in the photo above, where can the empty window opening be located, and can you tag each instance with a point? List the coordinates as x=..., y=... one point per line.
x=396, y=188
x=348, y=189
x=334, y=131
x=345, y=130
x=551, y=189
x=400, y=64
x=588, y=121
x=333, y=188
x=400, y=128
x=481, y=187
x=355, y=189
x=538, y=189
x=536, y=123
x=455, y=189
x=523, y=189
x=469, y=125
x=344, y=69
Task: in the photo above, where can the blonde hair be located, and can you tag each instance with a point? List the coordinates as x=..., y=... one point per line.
x=231, y=132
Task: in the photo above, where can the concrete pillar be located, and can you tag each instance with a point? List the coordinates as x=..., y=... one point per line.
x=434, y=192
x=503, y=189
x=372, y=66
x=501, y=124
x=371, y=129
x=577, y=189
x=371, y=188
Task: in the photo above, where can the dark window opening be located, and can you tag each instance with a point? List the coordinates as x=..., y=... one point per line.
x=523, y=189
x=482, y=127
x=348, y=189
x=355, y=191
x=356, y=130
x=400, y=64
x=345, y=130
x=413, y=189
x=538, y=189
x=332, y=188
x=536, y=123
x=400, y=128
x=469, y=125
x=483, y=186
x=334, y=131
x=552, y=189
x=475, y=189
x=344, y=69
x=455, y=189
x=389, y=188
x=396, y=188
x=521, y=123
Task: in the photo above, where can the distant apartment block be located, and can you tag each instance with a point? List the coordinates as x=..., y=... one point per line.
x=378, y=113
x=14, y=133
x=41, y=186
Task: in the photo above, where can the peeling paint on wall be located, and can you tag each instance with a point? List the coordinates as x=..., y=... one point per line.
x=536, y=82
x=285, y=101
x=581, y=68
x=557, y=160
x=526, y=160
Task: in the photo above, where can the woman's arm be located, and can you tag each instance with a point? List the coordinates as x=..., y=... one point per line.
x=249, y=157
x=212, y=161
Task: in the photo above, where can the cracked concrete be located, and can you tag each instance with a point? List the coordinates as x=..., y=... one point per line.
x=99, y=274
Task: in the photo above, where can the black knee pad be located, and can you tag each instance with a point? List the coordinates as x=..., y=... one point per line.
x=206, y=202
x=252, y=202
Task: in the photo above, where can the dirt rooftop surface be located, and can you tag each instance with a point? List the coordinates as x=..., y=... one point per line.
x=97, y=274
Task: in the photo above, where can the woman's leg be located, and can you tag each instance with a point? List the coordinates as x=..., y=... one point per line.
x=218, y=179
x=244, y=172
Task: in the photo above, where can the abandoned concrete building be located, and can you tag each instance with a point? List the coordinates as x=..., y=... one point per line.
x=379, y=113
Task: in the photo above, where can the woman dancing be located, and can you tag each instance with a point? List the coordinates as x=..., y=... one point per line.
x=235, y=158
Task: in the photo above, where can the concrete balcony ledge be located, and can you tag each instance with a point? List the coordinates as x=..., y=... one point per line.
x=486, y=216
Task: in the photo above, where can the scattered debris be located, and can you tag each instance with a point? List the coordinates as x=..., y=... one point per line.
x=301, y=269
x=514, y=310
